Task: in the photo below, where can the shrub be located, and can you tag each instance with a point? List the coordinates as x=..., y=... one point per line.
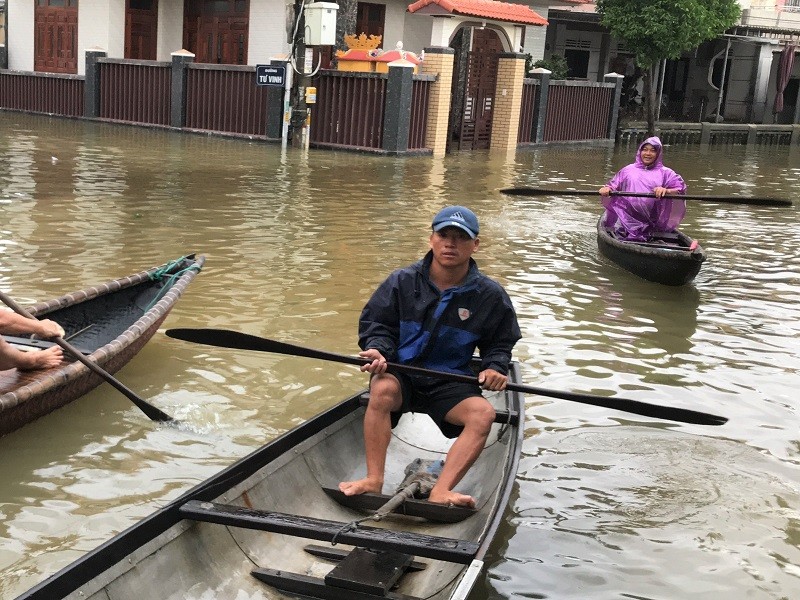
x=556, y=64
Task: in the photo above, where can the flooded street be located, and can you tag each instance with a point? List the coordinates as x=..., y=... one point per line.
x=607, y=504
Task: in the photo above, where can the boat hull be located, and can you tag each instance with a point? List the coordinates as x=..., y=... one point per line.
x=245, y=532
x=110, y=322
x=676, y=262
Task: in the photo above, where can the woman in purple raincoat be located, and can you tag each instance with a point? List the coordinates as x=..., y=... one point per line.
x=634, y=218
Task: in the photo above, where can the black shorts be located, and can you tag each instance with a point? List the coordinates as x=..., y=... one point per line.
x=435, y=397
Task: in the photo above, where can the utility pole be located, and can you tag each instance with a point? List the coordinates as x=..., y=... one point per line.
x=314, y=25
x=300, y=81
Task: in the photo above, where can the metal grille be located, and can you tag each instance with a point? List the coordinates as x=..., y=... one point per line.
x=137, y=92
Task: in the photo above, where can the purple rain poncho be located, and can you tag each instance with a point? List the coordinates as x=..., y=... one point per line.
x=638, y=218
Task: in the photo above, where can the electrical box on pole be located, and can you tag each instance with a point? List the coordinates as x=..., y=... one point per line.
x=313, y=24
x=320, y=26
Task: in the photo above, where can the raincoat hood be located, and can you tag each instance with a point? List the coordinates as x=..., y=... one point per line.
x=655, y=142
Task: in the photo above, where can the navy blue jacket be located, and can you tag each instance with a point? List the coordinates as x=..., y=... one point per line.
x=408, y=320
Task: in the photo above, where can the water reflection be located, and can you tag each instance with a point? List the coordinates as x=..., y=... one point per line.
x=607, y=504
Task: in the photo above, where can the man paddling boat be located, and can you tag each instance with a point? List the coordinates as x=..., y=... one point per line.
x=434, y=314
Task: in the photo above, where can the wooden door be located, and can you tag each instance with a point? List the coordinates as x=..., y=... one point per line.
x=370, y=19
x=141, y=29
x=481, y=81
x=216, y=32
x=56, y=36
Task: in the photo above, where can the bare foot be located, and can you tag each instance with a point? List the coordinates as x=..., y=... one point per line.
x=42, y=359
x=361, y=486
x=451, y=497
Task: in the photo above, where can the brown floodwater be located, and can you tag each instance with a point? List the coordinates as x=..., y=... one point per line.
x=606, y=504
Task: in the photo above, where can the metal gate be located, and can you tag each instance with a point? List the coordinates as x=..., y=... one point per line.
x=481, y=82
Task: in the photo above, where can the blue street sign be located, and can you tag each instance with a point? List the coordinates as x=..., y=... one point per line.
x=270, y=75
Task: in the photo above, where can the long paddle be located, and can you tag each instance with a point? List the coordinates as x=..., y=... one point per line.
x=226, y=338
x=526, y=191
x=151, y=411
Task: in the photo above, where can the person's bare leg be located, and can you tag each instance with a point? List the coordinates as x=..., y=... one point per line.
x=477, y=416
x=384, y=398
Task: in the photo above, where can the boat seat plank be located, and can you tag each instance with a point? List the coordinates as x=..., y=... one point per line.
x=27, y=342
x=331, y=553
x=371, y=571
x=314, y=587
x=419, y=544
x=410, y=507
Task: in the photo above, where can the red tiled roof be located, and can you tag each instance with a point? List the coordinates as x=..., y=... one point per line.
x=488, y=9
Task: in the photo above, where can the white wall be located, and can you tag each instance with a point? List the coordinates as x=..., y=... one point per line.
x=20, y=35
x=417, y=34
x=267, y=37
x=170, y=29
x=533, y=43
x=101, y=24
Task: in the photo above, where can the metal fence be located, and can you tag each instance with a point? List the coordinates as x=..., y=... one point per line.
x=576, y=112
x=349, y=110
x=49, y=93
x=225, y=98
x=135, y=91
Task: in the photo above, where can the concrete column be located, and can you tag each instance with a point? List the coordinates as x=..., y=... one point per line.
x=397, y=112
x=91, y=89
x=438, y=61
x=540, y=110
x=180, y=59
x=705, y=133
x=613, y=112
x=795, y=139
x=605, y=55
x=760, y=81
x=507, y=101
x=752, y=134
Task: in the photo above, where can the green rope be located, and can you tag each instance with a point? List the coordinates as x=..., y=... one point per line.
x=159, y=274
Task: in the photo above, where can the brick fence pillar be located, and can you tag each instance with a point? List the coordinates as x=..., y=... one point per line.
x=438, y=61
x=507, y=101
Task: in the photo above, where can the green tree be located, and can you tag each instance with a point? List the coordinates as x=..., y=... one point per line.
x=659, y=29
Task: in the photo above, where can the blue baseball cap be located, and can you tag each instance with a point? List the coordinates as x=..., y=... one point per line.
x=457, y=216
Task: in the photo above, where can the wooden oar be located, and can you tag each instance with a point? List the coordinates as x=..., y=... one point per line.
x=151, y=411
x=226, y=338
x=526, y=191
